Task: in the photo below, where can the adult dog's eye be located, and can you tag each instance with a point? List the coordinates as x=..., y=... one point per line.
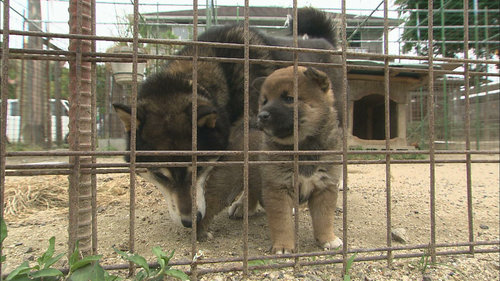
x=264, y=101
x=161, y=176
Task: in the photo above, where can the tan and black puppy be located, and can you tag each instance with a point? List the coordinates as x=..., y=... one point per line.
x=318, y=130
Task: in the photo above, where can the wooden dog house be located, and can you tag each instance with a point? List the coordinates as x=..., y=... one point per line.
x=366, y=102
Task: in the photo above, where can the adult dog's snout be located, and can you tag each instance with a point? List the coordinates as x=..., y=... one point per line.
x=188, y=223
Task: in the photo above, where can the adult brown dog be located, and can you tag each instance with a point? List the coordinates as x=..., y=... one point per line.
x=318, y=130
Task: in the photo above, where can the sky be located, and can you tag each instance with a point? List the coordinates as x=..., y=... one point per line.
x=112, y=12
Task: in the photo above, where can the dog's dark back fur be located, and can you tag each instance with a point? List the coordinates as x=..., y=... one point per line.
x=316, y=24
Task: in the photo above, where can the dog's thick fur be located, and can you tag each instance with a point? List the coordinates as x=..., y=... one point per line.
x=224, y=185
x=164, y=105
x=318, y=129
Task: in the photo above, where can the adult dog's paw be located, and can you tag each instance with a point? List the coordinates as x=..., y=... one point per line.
x=236, y=210
x=204, y=236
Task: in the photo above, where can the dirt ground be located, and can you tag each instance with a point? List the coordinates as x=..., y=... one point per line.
x=43, y=214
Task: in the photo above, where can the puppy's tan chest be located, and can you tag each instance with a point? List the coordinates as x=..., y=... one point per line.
x=318, y=181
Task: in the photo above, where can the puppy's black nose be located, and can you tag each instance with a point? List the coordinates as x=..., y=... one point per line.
x=264, y=116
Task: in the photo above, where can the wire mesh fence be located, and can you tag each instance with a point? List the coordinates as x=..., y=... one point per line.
x=405, y=113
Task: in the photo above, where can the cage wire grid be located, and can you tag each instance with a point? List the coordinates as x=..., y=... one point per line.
x=83, y=167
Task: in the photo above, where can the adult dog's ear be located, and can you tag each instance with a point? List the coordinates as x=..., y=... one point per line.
x=207, y=114
x=257, y=83
x=125, y=114
x=319, y=77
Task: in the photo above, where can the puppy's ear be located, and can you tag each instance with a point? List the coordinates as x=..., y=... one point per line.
x=257, y=83
x=125, y=114
x=207, y=114
x=319, y=77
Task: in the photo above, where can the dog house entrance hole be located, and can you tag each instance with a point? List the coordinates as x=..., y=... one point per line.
x=369, y=118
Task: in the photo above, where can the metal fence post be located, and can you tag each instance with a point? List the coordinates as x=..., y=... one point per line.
x=3, y=109
x=80, y=139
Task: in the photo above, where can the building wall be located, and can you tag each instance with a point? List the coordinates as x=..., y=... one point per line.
x=374, y=35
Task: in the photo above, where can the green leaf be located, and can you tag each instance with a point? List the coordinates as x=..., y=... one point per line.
x=159, y=253
x=84, y=262
x=109, y=277
x=157, y=278
x=350, y=261
x=121, y=253
x=74, y=256
x=171, y=254
x=161, y=256
x=258, y=262
x=135, y=258
x=23, y=277
x=155, y=271
x=141, y=275
x=177, y=274
x=93, y=272
x=47, y=272
x=3, y=230
x=49, y=253
x=3, y=258
x=53, y=260
x=22, y=269
x=140, y=261
x=162, y=264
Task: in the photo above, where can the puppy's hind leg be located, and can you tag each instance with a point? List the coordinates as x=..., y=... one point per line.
x=322, y=205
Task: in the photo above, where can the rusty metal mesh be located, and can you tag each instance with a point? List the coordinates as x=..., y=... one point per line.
x=461, y=122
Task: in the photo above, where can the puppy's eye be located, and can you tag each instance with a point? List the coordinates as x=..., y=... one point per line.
x=286, y=98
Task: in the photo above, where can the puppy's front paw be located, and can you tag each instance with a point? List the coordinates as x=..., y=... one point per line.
x=281, y=248
x=332, y=245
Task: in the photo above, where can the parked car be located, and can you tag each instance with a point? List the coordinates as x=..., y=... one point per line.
x=14, y=119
